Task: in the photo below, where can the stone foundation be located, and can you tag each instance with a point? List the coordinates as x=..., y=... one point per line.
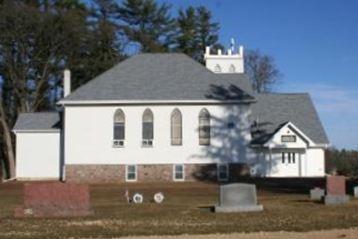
x=148, y=173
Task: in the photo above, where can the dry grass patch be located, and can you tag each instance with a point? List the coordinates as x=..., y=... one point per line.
x=186, y=210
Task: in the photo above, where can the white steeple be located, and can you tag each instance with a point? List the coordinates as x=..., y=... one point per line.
x=231, y=62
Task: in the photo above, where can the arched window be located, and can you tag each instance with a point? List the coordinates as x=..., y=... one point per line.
x=217, y=68
x=204, y=127
x=232, y=69
x=147, y=128
x=119, y=128
x=176, y=127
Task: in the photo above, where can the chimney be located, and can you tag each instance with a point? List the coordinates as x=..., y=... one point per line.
x=66, y=82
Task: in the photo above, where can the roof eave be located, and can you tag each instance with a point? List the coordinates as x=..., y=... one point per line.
x=164, y=102
x=36, y=131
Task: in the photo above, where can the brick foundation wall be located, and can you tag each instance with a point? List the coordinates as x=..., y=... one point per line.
x=148, y=173
x=95, y=173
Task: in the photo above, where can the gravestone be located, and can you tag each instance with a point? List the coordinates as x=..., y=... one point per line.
x=355, y=191
x=54, y=199
x=238, y=197
x=336, y=190
x=316, y=194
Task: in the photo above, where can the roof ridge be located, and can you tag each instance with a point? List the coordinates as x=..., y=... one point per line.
x=159, y=53
x=284, y=93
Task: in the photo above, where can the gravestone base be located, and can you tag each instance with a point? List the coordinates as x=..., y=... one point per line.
x=336, y=199
x=316, y=194
x=249, y=208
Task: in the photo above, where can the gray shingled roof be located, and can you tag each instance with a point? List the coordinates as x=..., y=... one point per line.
x=161, y=76
x=38, y=121
x=242, y=81
x=271, y=111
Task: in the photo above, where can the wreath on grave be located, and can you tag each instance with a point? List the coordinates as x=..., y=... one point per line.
x=138, y=198
x=159, y=197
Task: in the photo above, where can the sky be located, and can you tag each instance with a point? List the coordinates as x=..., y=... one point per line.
x=314, y=44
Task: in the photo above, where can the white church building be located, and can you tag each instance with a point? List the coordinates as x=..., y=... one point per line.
x=165, y=117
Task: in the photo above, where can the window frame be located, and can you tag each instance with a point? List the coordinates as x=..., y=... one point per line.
x=232, y=68
x=147, y=142
x=288, y=138
x=293, y=158
x=217, y=68
x=203, y=116
x=135, y=172
x=175, y=171
x=173, y=124
x=119, y=142
x=290, y=156
x=226, y=165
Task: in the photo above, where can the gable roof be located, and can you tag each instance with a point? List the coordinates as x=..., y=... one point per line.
x=242, y=81
x=38, y=121
x=272, y=111
x=160, y=76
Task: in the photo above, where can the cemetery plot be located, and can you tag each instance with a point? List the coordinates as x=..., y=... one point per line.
x=54, y=199
x=183, y=211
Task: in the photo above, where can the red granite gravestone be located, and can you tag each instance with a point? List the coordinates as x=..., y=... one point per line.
x=336, y=190
x=55, y=199
x=336, y=185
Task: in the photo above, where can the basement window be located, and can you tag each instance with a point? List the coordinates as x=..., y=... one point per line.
x=223, y=172
x=178, y=171
x=131, y=173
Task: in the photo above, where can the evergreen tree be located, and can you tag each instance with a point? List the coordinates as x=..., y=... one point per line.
x=187, y=35
x=208, y=32
x=148, y=24
x=196, y=31
x=104, y=45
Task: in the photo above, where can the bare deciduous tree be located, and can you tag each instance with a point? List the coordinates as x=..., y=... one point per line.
x=261, y=70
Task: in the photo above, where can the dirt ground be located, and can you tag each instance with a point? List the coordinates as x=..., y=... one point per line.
x=328, y=234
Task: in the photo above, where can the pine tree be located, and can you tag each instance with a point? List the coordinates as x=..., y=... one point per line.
x=187, y=35
x=104, y=45
x=196, y=31
x=148, y=24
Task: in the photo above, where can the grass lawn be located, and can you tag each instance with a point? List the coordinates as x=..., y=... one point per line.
x=185, y=211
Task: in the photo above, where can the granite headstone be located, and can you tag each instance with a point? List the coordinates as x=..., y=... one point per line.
x=316, y=194
x=54, y=199
x=336, y=190
x=238, y=197
x=355, y=191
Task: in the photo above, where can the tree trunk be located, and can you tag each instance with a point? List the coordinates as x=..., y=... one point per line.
x=9, y=155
